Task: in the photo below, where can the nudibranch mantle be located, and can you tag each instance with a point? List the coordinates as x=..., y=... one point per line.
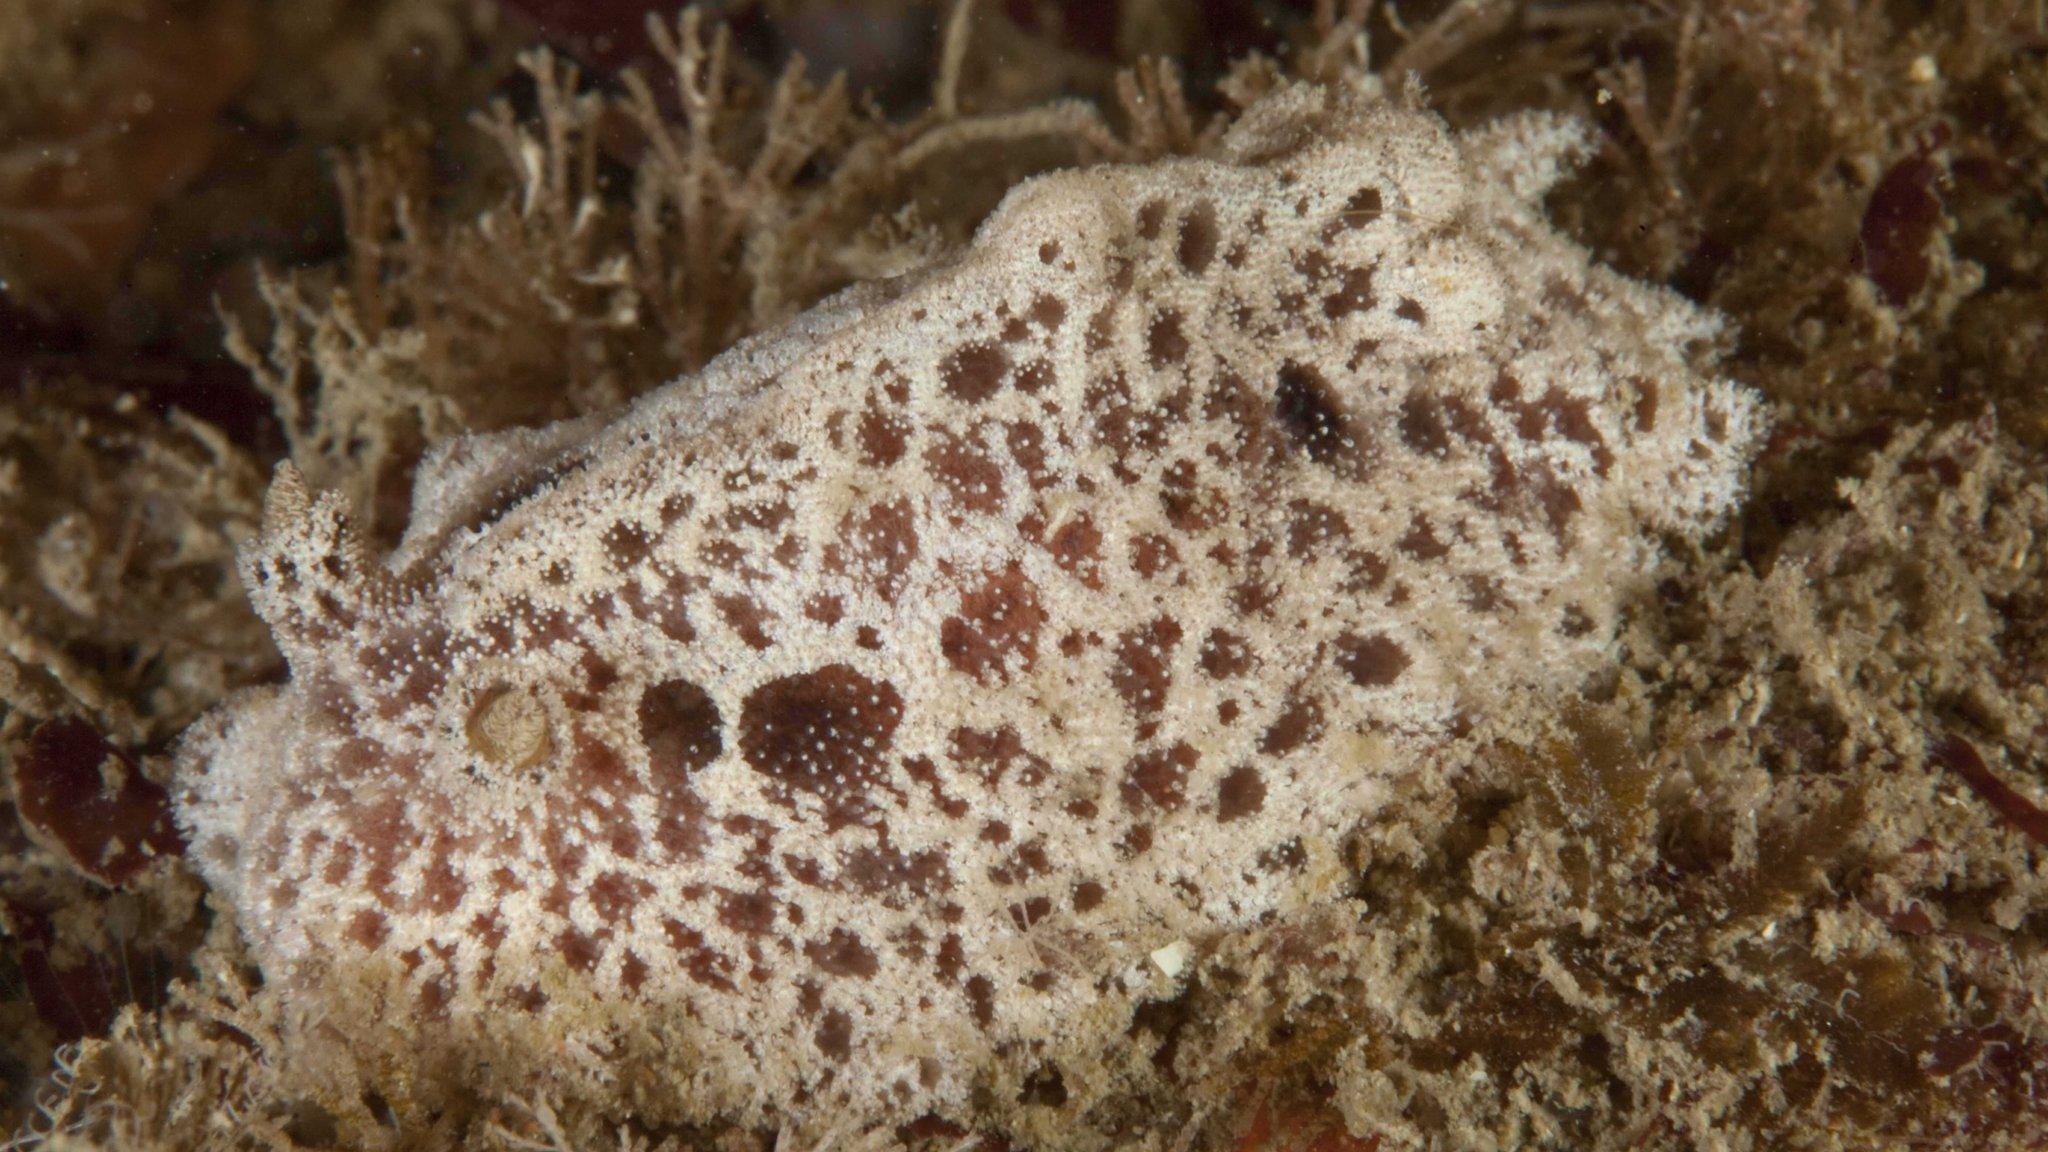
x=839, y=731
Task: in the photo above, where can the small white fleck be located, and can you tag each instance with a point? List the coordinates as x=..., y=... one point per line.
x=1173, y=959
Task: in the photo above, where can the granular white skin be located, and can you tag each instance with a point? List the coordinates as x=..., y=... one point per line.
x=835, y=734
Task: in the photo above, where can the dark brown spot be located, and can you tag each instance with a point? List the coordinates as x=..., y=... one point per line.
x=627, y=544
x=614, y=895
x=894, y=876
x=489, y=930
x=1143, y=671
x=386, y=835
x=441, y=889
x=835, y=1035
x=1308, y=408
x=1422, y=424
x=1409, y=310
x=578, y=950
x=1152, y=555
x=1225, y=654
x=1572, y=416
x=993, y=753
x=964, y=466
x=878, y=545
x=666, y=607
x=1048, y=312
x=679, y=816
x=1364, y=207
x=701, y=962
x=1371, y=661
x=1048, y=251
x=598, y=674
x=1352, y=294
x=1646, y=406
x=1288, y=857
x=748, y=619
x=951, y=959
x=1421, y=540
x=1465, y=419
x=1300, y=722
x=882, y=438
x=1189, y=504
x=1159, y=776
x=368, y=928
x=680, y=727
x=527, y=998
x=632, y=971
x=1198, y=238
x=1559, y=500
x=1242, y=793
x=1314, y=266
x=1313, y=527
x=1150, y=217
x=1022, y=863
x=341, y=863
x=1483, y=593
x=1076, y=547
x=1027, y=447
x=996, y=630
x=1088, y=896
x=1136, y=842
x=1165, y=344
x=1128, y=430
x=974, y=373
x=759, y=515
x=981, y=1000
x=826, y=732
x=1102, y=328
x=1035, y=377
x=1232, y=400
x=1044, y=1088
x=750, y=912
x=842, y=953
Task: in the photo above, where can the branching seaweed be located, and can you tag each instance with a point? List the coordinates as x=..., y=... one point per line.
x=1773, y=884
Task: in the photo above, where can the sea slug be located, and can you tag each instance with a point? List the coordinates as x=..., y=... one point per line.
x=860, y=728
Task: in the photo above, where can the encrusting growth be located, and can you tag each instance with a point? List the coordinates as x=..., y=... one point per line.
x=837, y=733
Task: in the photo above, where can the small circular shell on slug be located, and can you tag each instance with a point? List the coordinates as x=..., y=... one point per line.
x=509, y=728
